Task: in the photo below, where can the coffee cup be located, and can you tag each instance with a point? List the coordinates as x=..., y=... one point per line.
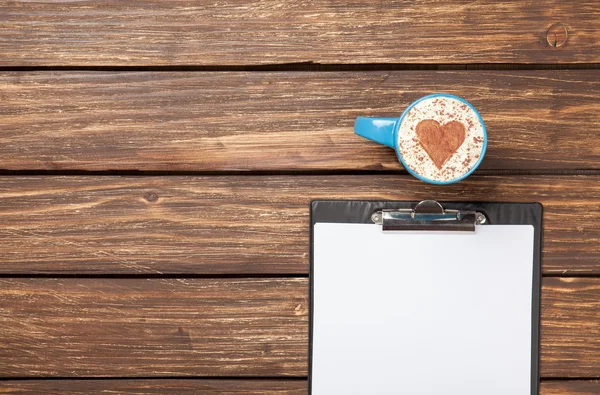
x=440, y=138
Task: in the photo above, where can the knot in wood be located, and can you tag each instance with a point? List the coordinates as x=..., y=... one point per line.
x=557, y=35
x=151, y=197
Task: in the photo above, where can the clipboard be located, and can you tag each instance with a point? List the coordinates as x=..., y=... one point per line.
x=399, y=219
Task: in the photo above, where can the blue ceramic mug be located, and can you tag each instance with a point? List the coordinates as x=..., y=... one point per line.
x=440, y=138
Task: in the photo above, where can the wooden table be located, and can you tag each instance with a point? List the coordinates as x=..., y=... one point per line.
x=158, y=158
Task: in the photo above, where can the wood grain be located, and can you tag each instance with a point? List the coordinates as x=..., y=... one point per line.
x=281, y=121
x=120, y=327
x=245, y=224
x=570, y=387
x=225, y=387
x=231, y=32
x=220, y=327
x=567, y=304
x=157, y=386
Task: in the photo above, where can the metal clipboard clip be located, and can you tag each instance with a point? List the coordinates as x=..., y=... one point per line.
x=429, y=215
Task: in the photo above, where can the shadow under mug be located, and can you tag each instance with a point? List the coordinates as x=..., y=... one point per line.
x=385, y=131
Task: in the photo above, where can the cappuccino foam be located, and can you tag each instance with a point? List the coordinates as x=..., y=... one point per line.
x=443, y=110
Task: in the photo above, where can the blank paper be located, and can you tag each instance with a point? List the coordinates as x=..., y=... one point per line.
x=422, y=312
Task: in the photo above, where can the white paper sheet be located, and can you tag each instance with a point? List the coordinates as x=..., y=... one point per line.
x=422, y=312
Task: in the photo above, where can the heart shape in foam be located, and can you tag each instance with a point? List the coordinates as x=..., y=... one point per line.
x=440, y=142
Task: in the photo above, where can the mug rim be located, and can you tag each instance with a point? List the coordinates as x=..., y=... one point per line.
x=423, y=178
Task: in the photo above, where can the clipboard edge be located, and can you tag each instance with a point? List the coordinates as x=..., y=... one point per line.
x=537, y=210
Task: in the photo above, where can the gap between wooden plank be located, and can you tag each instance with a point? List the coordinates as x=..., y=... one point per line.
x=214, y=276
x=288, y=173
x=220, y=386
x=315, y=67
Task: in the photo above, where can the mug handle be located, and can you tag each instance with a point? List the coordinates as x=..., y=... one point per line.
x=380, y=130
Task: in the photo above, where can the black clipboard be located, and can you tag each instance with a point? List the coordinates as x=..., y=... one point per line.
x=371, y=211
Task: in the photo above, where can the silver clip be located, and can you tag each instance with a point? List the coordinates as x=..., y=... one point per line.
x=429, y=215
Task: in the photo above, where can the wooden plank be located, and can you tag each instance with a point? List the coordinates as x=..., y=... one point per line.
x=220, y=327
x=570, y=387
x=281, y=121
x=225, y=387
x=158, y=386
x=141, y=327
x=230, y=32
x=570, y=303
x=245, y=224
